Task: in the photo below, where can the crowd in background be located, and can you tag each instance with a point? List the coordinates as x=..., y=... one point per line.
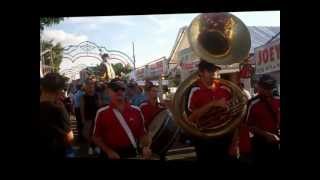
x=58, y=101
x=83, y=100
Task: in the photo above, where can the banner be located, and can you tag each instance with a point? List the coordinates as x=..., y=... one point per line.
x=139, y=74
x=267, y=57
x=246, y=70
x=189, y=65
x=156, y=69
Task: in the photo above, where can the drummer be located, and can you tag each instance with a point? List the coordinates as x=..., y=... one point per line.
x=151, y=107
x=119, y=126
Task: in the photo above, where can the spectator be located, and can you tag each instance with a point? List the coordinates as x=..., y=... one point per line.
x=105, y=98
x=76, y=104
x=88, y=107
x=66, y=101
x=275, y=92
x=54, y=134
x=135, y=95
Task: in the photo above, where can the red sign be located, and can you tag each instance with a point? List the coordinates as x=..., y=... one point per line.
x=246, y=70
x=156, y=69
x=268, y=54
x=190, y=65
x=187, y=65
x=267, y=58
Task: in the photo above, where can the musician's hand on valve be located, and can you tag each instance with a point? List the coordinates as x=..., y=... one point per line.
x=197, y=114
x=221, y=103
x=146, y=152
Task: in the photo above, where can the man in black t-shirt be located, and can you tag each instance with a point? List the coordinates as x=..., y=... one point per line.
x=52, y=129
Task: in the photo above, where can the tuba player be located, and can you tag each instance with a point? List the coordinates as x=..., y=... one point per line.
x=207, y=93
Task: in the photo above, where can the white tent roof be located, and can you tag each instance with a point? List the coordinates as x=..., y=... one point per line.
x=261, y=35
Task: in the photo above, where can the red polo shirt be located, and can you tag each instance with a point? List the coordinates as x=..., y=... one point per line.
x=261, y=117
x=200, y=95
x=109, y=129
x=149, y=111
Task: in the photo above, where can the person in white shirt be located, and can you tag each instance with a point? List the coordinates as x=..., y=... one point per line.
x=245, y=91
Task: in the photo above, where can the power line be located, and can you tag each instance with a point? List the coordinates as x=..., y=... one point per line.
x=273, y=37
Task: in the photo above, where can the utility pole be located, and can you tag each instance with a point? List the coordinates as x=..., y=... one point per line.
x=134, y=58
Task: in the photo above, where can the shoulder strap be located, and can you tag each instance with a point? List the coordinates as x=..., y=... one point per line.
x=126, y=128
x=143, y=104
x=194, y=87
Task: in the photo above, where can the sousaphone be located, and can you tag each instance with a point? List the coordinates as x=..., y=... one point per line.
x=222, y=39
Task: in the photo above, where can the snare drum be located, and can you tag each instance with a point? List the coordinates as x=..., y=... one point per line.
x=164, y=131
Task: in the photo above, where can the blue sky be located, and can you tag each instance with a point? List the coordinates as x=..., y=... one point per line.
x=153, y=35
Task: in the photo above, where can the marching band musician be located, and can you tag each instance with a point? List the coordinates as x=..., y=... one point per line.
x=151, y=107
x=205, y=94
x=119, y=125
x=263, y=120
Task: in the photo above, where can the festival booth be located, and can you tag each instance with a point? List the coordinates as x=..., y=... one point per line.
x=267, y=60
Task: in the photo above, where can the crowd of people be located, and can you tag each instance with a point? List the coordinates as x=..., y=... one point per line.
x=92, y=103
x=113, y=117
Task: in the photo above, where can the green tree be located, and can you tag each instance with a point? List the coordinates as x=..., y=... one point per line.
x=127, y=69
x=49, y=21
x=54, y=55
x=118, y=68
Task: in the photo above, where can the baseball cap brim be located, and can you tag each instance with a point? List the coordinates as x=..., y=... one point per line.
x=267, y=82
x=116, y=86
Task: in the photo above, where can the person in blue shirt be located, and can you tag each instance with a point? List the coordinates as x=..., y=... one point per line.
x=76, y=104
x=104, y=95
x=139, y=98
x=135, y=95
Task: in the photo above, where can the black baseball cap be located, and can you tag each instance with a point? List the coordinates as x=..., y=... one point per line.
x=53, y=82
x=132, y=84
x=267, y=82
x=204, y=65
x=116, y=85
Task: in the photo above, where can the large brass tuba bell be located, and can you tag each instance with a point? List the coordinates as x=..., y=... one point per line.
x=219, y=38
x=222, y=39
